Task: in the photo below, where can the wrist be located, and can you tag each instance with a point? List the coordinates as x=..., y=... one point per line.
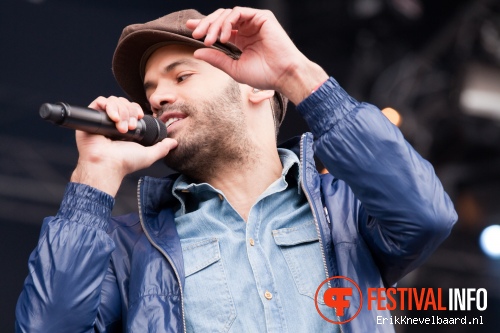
x=105, y=179
x=302, y=80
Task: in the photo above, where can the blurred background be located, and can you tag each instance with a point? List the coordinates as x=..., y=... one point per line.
x=436, y=64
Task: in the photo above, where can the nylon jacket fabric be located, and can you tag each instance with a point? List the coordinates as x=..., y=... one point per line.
x=380, y=212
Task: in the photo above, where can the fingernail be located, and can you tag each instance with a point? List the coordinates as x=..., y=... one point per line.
x=133, y=122
x=124, y=124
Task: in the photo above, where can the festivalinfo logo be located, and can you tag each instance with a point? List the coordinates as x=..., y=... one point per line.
x=420, y=299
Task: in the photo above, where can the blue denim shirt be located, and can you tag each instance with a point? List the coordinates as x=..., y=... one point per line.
x=258, y=276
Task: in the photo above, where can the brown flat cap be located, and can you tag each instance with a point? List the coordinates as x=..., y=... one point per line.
x=138, y=41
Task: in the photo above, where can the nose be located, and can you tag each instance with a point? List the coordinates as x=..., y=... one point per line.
x=161, y=96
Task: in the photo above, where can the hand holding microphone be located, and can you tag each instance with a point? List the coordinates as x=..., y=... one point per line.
x=103, y=163
x=149, y=130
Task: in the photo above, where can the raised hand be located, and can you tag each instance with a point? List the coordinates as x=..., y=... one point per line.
x=269, y=59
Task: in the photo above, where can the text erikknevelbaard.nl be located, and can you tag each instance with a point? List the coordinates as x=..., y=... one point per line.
x=432, y=320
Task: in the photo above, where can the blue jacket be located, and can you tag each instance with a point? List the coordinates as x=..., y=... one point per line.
x=380, y=212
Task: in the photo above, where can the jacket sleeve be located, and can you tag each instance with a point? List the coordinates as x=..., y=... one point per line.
x=70, y=267
x=404, y=212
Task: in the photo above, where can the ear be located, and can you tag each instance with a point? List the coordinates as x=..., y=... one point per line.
x=256, y=96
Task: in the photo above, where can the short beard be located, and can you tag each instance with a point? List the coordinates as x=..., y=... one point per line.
x=216, y=137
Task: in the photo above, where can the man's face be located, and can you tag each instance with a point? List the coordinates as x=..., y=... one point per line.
x=202, y=108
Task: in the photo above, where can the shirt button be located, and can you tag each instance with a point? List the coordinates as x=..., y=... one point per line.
x=252, y=242
x=268, y=295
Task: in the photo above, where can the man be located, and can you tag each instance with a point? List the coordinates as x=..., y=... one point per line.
x=240, y=240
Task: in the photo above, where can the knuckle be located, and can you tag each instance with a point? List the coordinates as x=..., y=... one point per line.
x=122, y=111
x=132, y=111
x=212, y=17
x=98, y=101
x=137, y=108
x=267, y=12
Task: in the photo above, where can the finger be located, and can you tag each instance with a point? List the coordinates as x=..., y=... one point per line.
x=236, y=17
x=232, y=38
x=227, y=31
x=112, y=109
x=219, y=28
x=160, y=149
x=133, y=112
x=217, y=59
x=203, y=25
x=249, y=18
x=243, y=14
x=99, y=103
x=140, y=111
x=166, y=145
x=138, y=114
x=119, y=106
x=192, y=23
x=107, y=104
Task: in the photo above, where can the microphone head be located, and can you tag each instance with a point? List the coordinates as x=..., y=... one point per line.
x=155, y=131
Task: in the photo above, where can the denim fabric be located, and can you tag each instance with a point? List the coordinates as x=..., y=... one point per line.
x=258, y=276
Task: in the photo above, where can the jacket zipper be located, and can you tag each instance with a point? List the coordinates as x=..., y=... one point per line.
x=161, y=251
x=306, y=192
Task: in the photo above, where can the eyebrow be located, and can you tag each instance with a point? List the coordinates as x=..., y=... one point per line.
x=172, y=66
x=185, y=61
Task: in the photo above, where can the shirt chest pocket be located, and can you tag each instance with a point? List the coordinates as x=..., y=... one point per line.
x=208, y=303
x=301, y=249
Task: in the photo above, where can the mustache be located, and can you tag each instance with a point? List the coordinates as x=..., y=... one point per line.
x=182, y=107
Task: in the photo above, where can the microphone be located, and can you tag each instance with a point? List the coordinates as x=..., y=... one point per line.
x=149, y=130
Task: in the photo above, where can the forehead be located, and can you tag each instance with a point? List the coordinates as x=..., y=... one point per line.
x=170, y=53
x=167, y=58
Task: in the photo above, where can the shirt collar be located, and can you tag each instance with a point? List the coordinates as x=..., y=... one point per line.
x=183, y=184
x=289, y=160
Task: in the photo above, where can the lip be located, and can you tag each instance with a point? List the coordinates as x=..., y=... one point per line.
x=172, y=114
x=174, y=125
x=164, y=117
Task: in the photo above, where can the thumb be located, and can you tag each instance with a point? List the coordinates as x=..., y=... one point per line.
x=160, y=149
x=217, y=59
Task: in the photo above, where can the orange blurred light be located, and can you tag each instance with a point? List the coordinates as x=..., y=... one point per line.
x=393, y=116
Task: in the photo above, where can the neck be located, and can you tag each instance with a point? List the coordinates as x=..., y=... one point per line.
x=242, y=184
